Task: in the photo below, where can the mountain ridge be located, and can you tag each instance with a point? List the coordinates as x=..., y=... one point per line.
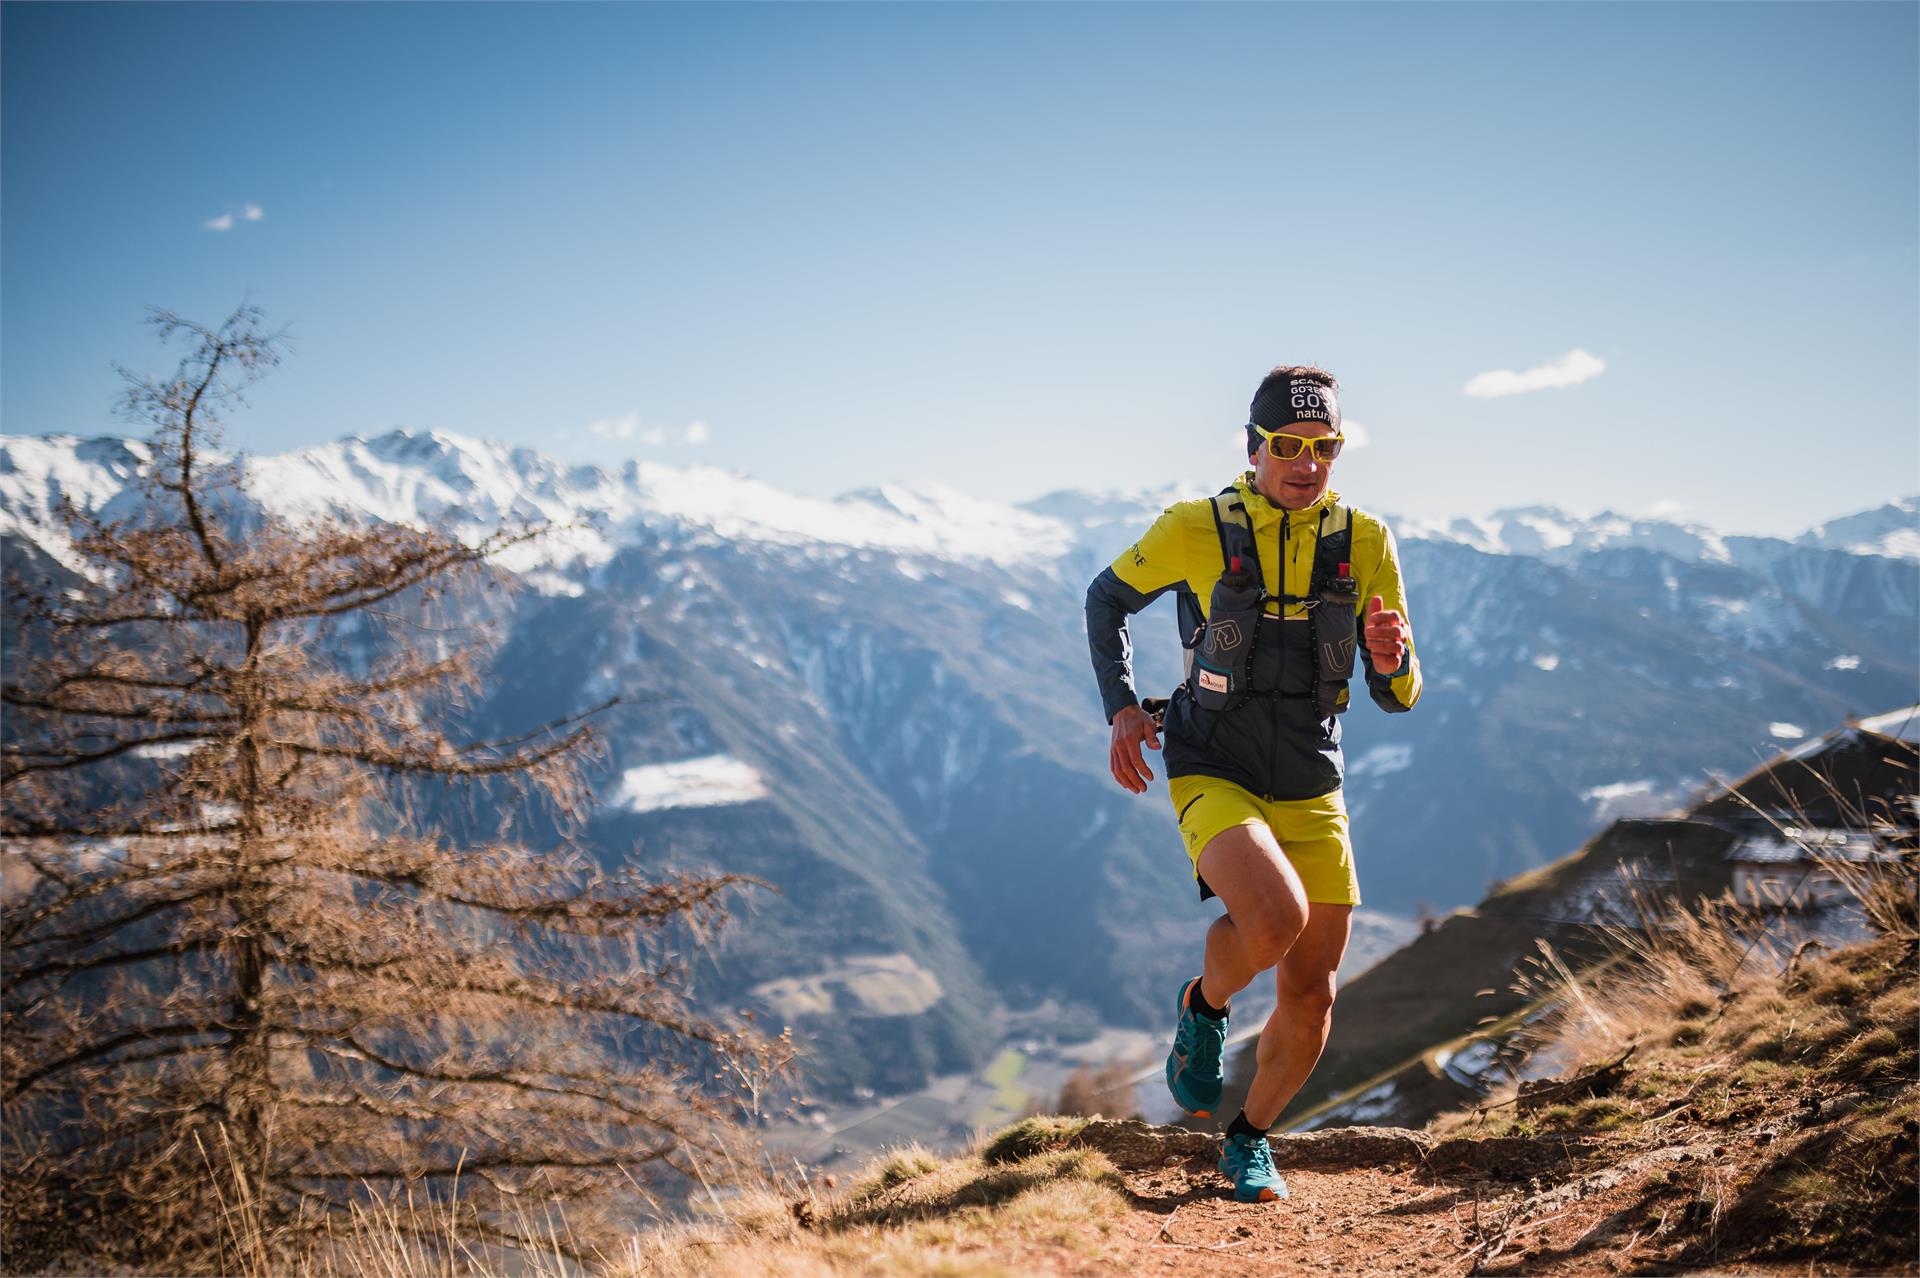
x=488, y=482
x=894, y=684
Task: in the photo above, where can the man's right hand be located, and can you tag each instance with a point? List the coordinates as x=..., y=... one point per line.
x=1130, y=727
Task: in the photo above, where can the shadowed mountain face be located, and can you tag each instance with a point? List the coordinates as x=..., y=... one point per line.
x=882, y=706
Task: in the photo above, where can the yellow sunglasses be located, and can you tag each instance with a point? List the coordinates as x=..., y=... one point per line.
x=1288, y=447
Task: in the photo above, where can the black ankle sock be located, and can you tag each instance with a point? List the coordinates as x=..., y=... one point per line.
x=1198, y=1003
x=1241, y=1127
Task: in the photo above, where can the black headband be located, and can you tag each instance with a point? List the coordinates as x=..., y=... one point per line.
x=1280, y=404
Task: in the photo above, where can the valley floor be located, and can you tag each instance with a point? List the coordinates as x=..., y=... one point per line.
x=1028, y=1072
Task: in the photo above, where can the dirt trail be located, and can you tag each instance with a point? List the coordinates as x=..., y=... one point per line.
x=1386, y=1201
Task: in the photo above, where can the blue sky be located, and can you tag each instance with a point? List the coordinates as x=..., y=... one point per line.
x=1009, y=248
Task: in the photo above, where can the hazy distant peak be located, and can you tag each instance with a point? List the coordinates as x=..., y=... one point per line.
x=1544, y=530
x=1892, y=530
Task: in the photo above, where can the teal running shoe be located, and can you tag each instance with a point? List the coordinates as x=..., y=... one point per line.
x=1248, y=1162
x=1193, y=1066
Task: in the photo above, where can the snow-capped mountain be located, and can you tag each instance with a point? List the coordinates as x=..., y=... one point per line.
x=1892, y=530
x=881, y=703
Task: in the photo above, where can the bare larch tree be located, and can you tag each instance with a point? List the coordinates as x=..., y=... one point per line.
x=235, y=970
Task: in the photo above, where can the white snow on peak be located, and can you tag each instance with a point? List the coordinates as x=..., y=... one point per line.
x=1542, y=531
x=924, y=519
x=403, y=477
x=465, y=486
x=38, y=471
x=1892, y=530
x=1087, y=510
x=715, y=780
x=469, y=486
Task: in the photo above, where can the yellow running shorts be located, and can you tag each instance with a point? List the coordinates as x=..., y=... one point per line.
x=1312, y=832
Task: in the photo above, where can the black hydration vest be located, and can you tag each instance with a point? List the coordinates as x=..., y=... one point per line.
x=1220, y=646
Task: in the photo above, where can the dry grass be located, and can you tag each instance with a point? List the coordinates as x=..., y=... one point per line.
x=1672, y=977
x=1800, y=1072
x=909, y=1215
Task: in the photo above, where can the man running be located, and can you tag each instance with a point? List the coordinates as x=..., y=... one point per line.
x=1277, y=579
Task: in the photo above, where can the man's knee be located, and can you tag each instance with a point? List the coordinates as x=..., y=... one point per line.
x=1261, y=892
x=1308, y=997
x=1268, y=929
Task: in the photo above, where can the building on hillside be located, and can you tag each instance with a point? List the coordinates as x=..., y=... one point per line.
x=1792, y=868
x=1836, y=808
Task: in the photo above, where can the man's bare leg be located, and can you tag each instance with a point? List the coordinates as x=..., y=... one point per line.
x=1266, y=909
x=1296, y=1033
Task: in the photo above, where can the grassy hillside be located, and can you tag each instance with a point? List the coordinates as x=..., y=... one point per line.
x=1715, y=1116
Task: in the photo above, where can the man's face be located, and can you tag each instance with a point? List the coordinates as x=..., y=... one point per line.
x=1296, y=484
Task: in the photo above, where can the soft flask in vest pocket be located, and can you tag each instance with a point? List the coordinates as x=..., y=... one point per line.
x=1335, y=630
x=1222, y=657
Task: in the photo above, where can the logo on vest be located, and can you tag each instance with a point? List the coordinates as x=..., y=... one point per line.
x=1223, y=636
x=1213, y=682
x=1339, y=655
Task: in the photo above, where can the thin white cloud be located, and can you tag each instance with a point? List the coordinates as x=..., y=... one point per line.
x=1666, y=508
x=1571, y=369
x=222, y=223
x=615, y=427
x=252, y=212
x=627, y=426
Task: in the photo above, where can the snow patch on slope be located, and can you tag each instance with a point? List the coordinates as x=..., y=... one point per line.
x=1380, y=760
x=1631, y=799
x=715, y=780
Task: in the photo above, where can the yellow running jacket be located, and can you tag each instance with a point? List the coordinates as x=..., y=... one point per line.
x=1274, y=743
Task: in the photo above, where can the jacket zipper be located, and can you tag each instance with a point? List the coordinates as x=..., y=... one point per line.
x=1279, y=691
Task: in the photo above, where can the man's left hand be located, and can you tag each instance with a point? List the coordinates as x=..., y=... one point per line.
x=1386, y=633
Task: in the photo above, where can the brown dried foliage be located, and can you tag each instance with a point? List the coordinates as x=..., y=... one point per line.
x=230, y=959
